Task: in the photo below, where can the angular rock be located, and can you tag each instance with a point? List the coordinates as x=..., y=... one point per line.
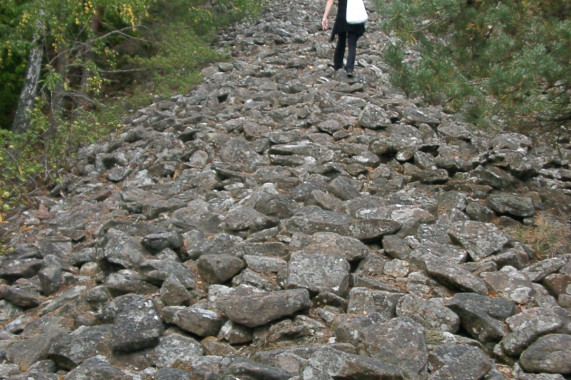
x=201, y=322
x=122, y=249
x=455, y=361
x=513, y=205
x=342, y=365
x=269, y=306
x=551, y=354
x=136, y=323
x=96, y=368
x=476, y=320
x=510, y=284
x=527, y=326
x=366, y=301
x=399, y=342
x=431, y=313
x=217, y=269
x=479, y=239
x=453, y=276
x=175, y=349
x=81, y=344
x=317, y=272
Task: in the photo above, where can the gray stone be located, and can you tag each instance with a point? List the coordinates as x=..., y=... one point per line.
x=166, y=373
x=81, y=344
x=175, y=350
x=453, y=275
x=476, y=319
x=234, y=333
x=374, y=117
x=19, y=297
x=157, y=271
x=366, y=301
x=317, y=272
x=455, y=361
x=128, y=281
x=550, y=353
x=173, y=293
x=399, y=342
x=217, y=269
x=431, y=313
x=527, y=326
x=8, y=311
x=96, y=368
x=514, y=205
x=510, y=284
x=201, y=322
x=248, y=219
x=479, y=239
x=263, y=264
x=343, y=365
x=136, y=323
x=269, y=306
x=157, y=242
x=122, y=249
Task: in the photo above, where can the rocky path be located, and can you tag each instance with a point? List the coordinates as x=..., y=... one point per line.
x=282, y=221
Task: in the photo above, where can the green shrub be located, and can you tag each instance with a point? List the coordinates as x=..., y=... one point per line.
x=499, y=62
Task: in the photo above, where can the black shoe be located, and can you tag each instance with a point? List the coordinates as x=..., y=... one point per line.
x=350, y=74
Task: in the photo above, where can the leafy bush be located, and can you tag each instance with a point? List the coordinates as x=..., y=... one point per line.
x=499, y=62
x=162, y=56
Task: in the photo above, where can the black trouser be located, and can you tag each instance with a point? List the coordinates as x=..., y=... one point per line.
x=340, y=51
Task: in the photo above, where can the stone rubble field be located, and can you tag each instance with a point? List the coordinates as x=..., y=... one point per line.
x=283, y=221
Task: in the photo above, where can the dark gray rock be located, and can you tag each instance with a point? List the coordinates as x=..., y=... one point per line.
x=527, y=326
x=479, y=239
x=508, y=204
x=551, y=354
x=399, y=342
x=122, y=249
x=157, y=271
x=453, y=275
x=318, y=272
x=201, y=322
x=175, y=350
x=136, y=323
x=342, y=365
x=454, y=361
x=157, y=242
x=366, y=301
x=431, y=313
x=96, y=368
x=269, y=306
x=217, y=269
x=248, y=219
x=374, y=117
x=173, y=293
x=81, y=344
x=128, y=281
x=19, y=297
x=510, y=284
x=166, y=373
x=479, y=319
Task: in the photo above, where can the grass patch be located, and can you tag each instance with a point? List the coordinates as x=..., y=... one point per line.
x=549, y=236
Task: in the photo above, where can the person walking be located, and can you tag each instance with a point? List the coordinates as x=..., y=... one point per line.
x=346, y=33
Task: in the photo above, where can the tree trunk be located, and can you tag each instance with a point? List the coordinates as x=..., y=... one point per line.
x=22, y=118
x=88, y=55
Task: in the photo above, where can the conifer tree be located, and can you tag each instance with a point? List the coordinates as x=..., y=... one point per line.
x=498, y=61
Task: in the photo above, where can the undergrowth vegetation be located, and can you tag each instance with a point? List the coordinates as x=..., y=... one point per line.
x=548, y=237
x=130, y=63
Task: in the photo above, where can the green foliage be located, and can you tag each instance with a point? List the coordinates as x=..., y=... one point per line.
x=141, y=48
x=504, y=62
